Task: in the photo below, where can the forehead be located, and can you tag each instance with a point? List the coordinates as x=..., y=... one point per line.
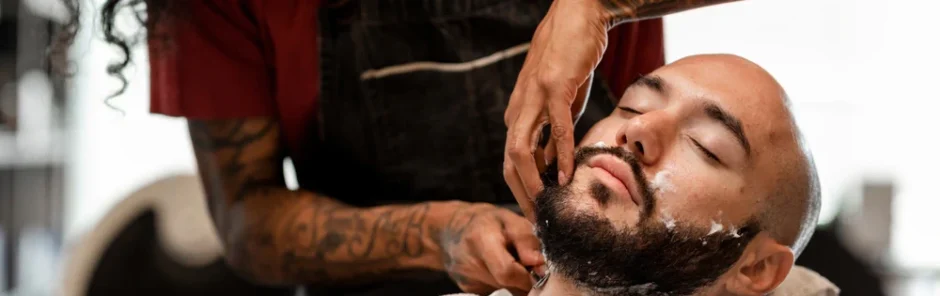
x=740, y=87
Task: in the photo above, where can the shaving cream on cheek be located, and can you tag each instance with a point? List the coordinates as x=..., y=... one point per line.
x=662, y=182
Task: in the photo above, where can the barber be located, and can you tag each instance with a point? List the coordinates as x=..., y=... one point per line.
x=392, y=113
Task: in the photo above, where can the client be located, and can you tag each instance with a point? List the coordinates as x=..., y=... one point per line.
x=697, y=184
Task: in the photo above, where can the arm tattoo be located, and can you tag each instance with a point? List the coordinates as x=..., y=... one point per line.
x=620, y=11
x=281, y=236
x=452, y=233
x=342, y=243
x=225, y=143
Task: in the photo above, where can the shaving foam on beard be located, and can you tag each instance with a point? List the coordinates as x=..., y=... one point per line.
x=668, y=221
x=716, y=227
x=733, y=231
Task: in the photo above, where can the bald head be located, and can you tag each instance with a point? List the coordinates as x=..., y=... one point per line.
x=789, y=211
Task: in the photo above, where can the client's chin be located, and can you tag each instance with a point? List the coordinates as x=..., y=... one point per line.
x=648, y=259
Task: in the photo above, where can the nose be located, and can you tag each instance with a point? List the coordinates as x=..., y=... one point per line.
x=646, y=135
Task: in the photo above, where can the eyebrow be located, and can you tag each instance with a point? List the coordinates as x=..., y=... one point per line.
x=730, y=122
x=712, y=110
x=652, y=82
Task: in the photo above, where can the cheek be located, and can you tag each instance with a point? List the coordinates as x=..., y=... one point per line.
x=604, y=131
x=689, y=198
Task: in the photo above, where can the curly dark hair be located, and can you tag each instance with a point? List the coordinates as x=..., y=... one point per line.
x=146, y=12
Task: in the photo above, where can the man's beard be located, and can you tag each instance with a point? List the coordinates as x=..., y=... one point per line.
x=649, y=259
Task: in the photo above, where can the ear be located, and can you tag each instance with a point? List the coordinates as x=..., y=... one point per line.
x=764, y=264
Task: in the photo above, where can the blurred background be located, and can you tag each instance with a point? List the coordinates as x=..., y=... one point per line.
x=860, y=73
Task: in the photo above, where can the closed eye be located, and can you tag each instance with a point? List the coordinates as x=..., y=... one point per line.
x=706, y=151
x=628, y=109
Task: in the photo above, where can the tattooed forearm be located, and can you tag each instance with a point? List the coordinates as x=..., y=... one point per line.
x=279, y=236
x=342, y=243
x=620, y=11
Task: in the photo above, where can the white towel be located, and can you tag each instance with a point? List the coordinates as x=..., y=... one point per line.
x=500, y=292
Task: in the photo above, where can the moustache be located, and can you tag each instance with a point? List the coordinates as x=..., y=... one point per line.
x=644, y=188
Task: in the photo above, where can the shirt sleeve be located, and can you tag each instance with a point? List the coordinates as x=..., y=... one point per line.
x=208, y=61
x=633, y=49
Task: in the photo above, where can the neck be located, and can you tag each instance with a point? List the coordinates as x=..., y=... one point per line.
x=558, y=285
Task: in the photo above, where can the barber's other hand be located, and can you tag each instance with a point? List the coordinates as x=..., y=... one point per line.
x=552, y=88
x=477, y=244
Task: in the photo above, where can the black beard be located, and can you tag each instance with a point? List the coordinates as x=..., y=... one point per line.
x=649, y=259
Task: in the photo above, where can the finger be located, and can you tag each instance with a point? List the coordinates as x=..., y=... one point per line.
x=539, y=156
x=531, y=63
x=518, y=95
x=563, y=135
x=508, y=272
x=526, y=204
x=521, y=147
x=540, y=270
x=519, y=92
x=550, y=152
x=521, y=235
x=580, y=102
x=577, y=108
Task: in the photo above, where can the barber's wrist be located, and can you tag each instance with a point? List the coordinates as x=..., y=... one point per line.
x=595, y=11
x=440, y=213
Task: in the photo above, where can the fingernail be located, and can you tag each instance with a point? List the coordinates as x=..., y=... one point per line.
x=539, y=271
x=562, y=178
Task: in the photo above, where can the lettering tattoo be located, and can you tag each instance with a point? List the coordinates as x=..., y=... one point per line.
x=342, y=243
x=279, y=236
x=620, y=11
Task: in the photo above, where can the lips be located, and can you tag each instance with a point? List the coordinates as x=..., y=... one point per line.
x=619, y=170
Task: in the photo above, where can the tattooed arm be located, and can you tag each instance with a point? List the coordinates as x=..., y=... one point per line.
x=279, y=236
x=620, y=11
x=276, y=236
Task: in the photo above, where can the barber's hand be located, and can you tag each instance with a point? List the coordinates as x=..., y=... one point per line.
x=552, y=88
x=479, y=242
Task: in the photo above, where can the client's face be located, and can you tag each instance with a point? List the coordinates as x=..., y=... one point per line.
x=664, y=196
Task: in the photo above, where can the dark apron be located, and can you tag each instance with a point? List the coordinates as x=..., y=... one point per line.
x=419, y=135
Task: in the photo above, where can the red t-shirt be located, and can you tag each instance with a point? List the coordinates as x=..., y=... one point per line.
x=252, y=58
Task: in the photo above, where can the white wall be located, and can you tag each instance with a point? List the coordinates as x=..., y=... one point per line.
x=112, y=154
x=860, y=74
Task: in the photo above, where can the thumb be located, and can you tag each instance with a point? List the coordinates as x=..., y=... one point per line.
x=528, y=247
